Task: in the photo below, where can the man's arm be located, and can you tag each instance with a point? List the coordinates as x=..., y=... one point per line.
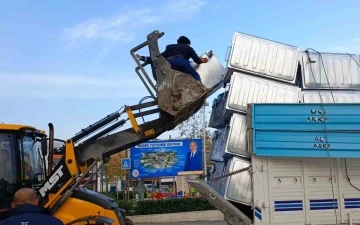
x=196, y=58
x=146, y=59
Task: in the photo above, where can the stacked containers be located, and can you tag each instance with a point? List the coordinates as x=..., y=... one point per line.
x=330, y=77
x=218, y=140
x=264, y=58
x=237, y=188
x=218, y=144
x=264, y=71
x=216, y=171
x=258, y=71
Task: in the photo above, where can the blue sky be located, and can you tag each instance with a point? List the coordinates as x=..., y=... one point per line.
x=68, y=62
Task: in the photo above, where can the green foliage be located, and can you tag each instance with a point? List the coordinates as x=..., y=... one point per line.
x=160, y=206
x=112, y=170
x=112, y=195
x=193, y=128
x=172, y=206
x=129, y=207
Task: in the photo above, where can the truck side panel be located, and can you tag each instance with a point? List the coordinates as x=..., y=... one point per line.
x=301, y=191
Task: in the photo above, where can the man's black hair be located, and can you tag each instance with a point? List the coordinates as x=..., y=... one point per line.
x=183, y=40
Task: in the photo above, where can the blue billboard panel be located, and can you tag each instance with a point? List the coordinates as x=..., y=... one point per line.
x=166, y=158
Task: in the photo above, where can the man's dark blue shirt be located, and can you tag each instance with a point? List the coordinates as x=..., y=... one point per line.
x=183, y=50
x=30, y=215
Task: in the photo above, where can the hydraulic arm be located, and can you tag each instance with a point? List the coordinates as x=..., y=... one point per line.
x=176, y=97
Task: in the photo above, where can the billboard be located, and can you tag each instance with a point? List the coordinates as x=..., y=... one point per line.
x=166, y=158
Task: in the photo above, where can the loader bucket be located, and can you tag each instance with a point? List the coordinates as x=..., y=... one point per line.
x=178, y=93
x=177, y=96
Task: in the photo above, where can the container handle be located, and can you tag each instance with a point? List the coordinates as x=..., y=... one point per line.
x=227, y=87
x=227, y=54
x=224, y=134
x=211, y=196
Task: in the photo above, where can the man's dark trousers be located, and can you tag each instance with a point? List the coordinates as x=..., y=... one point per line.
x=182, y=65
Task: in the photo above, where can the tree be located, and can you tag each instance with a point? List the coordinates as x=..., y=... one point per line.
x=193, y=128
x=113, y=168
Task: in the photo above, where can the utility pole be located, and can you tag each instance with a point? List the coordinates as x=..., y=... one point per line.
x=107, y=178
x=101, y=179
x=126, y=187
x=141, y=189
x=204, y=140
x=126, y=194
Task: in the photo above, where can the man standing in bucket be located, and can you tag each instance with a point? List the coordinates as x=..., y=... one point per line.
x=178, y=56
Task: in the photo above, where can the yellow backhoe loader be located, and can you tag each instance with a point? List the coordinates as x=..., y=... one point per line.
x=176, y=96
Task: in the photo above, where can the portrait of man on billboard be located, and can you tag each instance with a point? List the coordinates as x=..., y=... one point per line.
x=193, y=158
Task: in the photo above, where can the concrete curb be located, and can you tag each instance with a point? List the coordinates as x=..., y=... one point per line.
x=209, y=215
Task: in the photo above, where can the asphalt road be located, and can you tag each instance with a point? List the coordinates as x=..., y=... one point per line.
x=188, y=223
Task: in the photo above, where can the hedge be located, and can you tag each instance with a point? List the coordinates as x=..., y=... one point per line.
x=172, y=206
x=129, y=207
x=148, y=207
x=121, y=195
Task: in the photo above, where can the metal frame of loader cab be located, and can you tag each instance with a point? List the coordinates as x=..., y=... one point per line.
x=140, y=66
